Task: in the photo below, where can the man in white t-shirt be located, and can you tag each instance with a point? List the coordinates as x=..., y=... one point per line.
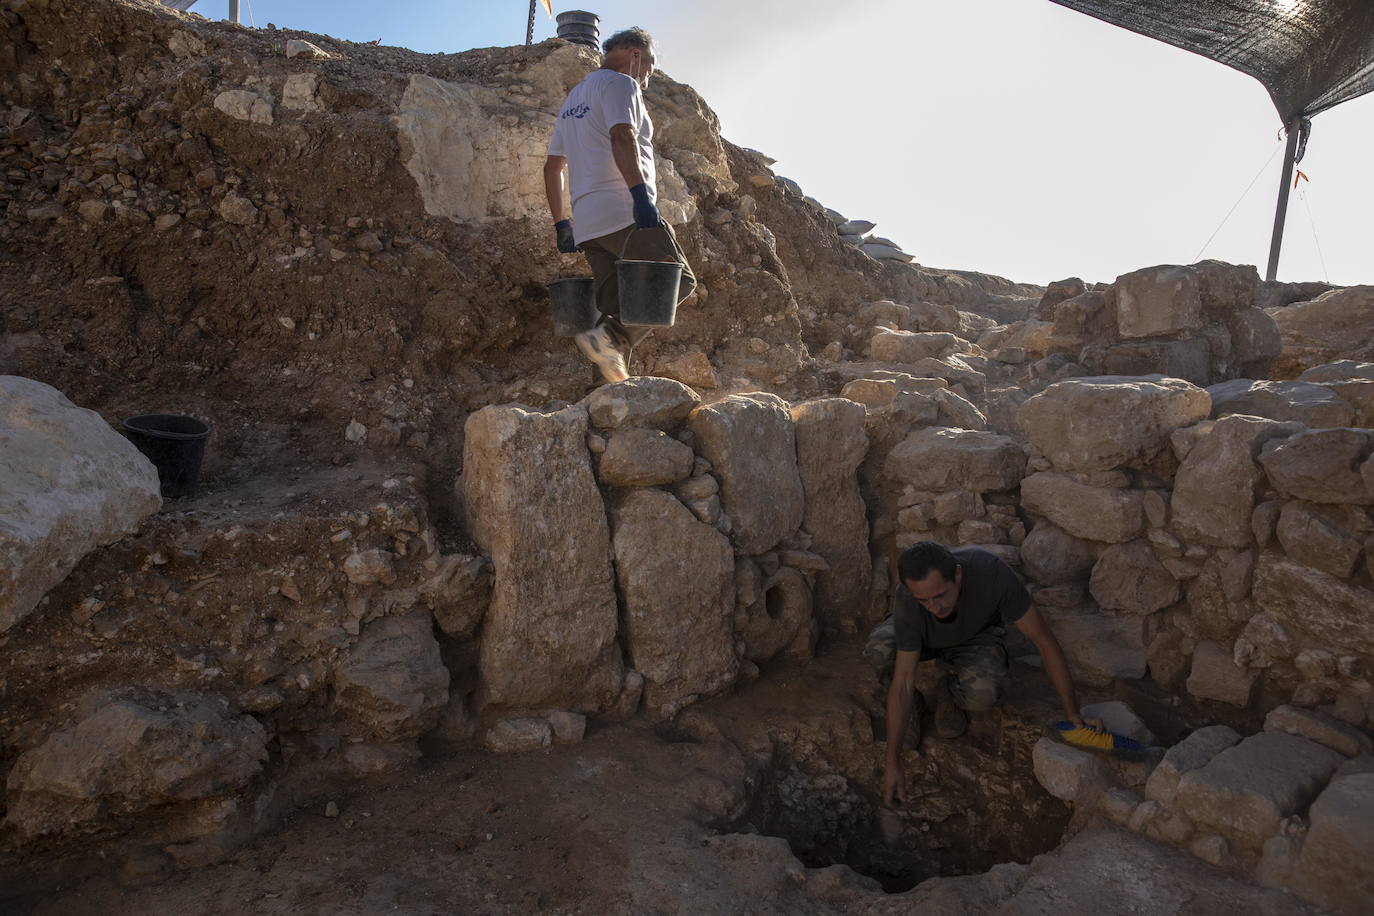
x=603, y=141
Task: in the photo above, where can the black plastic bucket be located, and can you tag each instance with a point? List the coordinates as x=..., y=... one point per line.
x=648, y=292
x=580, y=16
x=573, y=306
x=175, y=445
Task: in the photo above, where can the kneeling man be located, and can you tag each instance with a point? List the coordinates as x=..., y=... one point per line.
x=955, y=606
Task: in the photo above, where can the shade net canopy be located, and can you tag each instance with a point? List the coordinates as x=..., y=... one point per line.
x=1310, y=54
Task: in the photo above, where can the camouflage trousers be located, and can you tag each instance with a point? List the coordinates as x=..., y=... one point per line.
x=980, y=676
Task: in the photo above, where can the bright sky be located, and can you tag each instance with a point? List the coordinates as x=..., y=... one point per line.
x=1014, y=137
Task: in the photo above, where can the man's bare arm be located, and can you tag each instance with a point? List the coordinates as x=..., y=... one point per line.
x=899, y=699
x=1038, y=631
x=625, y=151
x=555, y=172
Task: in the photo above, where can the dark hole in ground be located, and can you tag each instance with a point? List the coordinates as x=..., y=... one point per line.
x=960, y=820
x=773, y=601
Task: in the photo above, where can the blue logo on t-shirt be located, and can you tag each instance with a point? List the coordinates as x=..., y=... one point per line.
x=577, y=111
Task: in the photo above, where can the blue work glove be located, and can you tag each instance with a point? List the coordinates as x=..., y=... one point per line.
x=565, y=236
x=646, y=214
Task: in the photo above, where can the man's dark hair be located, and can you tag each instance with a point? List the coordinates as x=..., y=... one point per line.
x=633, y=37
x=920, y=558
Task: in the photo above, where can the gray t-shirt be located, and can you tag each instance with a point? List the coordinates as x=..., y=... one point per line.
x=990, y=595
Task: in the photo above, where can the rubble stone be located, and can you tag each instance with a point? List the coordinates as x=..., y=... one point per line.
x=1127, y=577
x=130, y=755
x=514, y=736
x=392, y=680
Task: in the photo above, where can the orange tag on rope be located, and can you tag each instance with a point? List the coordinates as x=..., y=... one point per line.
x=1299, y=175
x=548, y=7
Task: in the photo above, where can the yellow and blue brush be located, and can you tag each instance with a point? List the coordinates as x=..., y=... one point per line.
x=1094, y=740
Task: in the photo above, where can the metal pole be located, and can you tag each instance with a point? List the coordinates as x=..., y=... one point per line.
x=529, y=30
x=233, y=10
x=1276, y=242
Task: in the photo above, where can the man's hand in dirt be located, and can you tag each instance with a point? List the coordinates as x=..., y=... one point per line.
x=566, y=244
x=893, y=783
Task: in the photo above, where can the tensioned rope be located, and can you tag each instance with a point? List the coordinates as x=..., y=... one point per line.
x=1311, y=221
x=1277, y=147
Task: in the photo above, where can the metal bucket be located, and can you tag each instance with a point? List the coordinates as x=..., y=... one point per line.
x=573, y=306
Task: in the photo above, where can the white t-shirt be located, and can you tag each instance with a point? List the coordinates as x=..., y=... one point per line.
x=600, y=198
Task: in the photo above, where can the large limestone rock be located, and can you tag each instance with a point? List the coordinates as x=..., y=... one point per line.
x=1319, y=727
x=392, y=682
x=1216, y=676
x=1322, y=466
x=1342, y=370
x=1100, y=647
x=939, y=459
x=533, y=506
x=1096, y=424
x=1128, y=578
x=1052, y=556
x=1158, y=301
x=910, y=347
x=1315, y=406
x=1246, y=790
x=831, y=444
x=1334, y=326
x=1336, y=866
x=468, y=165
x=1308, y=601
x=659, y=403
x=1214, y=489
x=781, y=620
x=644, y=458
x=1067, y=773
x=677, y=576
x=68, y=484
x=1193, y=752
x=1314, y=538
x=1108, y=514
x=130, y=755
x=751, y=444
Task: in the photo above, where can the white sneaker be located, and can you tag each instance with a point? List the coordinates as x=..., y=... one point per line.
x=597, y=346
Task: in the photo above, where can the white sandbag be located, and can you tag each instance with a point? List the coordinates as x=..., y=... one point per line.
x=884, y=252
x=855, y=240
x=856, y=227
x=835, y=217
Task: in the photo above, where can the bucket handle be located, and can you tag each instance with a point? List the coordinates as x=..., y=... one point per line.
x=626, y=247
